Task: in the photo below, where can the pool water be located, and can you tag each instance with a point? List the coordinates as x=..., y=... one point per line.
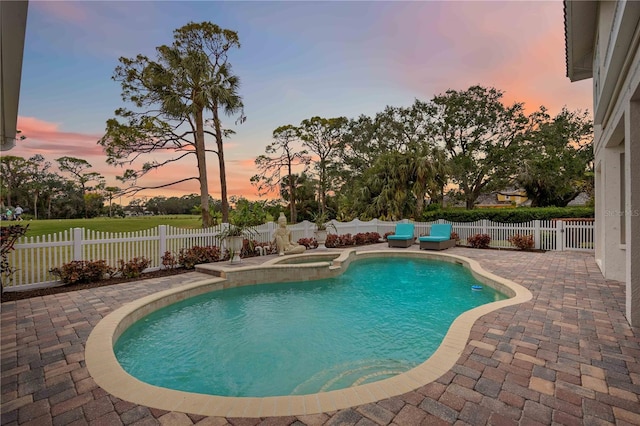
x=380, y=318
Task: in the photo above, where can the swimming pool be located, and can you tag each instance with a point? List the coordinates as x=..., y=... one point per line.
x=380, y=318
x=106, y=371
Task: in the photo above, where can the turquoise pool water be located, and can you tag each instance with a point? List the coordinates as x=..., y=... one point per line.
x=380, y=318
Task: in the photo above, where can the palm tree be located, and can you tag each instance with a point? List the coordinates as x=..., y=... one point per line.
x=223, y=94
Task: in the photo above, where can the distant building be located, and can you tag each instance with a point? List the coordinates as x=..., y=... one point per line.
x=512, y=196
x=603, y=43
x=505, y=198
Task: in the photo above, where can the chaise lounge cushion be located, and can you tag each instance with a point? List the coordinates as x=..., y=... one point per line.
x=439, y=238
x=431, y=238
x=403, y=236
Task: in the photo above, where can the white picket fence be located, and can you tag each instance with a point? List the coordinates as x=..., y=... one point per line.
x=34, y=257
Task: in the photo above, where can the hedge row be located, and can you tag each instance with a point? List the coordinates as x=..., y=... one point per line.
x=515, y=215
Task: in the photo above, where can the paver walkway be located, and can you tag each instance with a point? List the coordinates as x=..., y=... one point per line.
x=568, y=356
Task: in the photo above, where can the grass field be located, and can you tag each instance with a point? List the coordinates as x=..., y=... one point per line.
x=105, y=224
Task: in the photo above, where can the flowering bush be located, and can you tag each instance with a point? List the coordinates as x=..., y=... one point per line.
x=523, y=242
x=479, y=241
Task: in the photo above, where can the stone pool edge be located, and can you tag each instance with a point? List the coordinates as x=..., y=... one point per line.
x=108, y=374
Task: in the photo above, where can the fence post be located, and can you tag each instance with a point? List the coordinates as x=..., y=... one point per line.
x=162, y=243
x=485, y=226
x=559, y=235
x=536, y=234
x=77, y=244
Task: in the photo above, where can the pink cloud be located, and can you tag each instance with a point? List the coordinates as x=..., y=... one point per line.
x=517, y=47
x=70, y=12
x=46, y=138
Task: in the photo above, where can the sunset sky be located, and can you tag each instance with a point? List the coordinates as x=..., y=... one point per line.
x=297, y=60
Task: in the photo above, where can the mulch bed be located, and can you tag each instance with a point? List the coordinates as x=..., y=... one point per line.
x=19, y=295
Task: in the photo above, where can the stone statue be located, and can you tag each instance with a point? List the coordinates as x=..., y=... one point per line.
x=282, y=239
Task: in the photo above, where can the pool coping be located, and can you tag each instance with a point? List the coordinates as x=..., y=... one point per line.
x=108, y=374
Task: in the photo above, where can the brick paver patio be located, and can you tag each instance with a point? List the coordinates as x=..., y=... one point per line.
x=568, y=356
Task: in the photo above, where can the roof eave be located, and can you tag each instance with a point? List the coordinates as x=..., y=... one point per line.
x=13, y=16
x=580, y=31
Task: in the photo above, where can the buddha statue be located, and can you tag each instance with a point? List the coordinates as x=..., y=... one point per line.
x=282, y=239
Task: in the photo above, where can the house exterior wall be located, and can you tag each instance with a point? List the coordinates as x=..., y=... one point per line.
x=616, y=86
x=632, y=216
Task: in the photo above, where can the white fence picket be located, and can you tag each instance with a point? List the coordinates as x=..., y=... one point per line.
x=33, y=258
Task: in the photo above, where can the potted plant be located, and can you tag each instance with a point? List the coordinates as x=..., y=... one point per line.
x=234, y=238
x=322, y=223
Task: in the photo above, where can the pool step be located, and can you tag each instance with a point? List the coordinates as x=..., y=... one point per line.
x=352, y=373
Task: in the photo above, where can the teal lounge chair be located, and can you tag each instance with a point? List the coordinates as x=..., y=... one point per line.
x=403, y=237
x=438, y=239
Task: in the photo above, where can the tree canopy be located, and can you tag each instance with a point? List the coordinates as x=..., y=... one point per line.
x=558, y=157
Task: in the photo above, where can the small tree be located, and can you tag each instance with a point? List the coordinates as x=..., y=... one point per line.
x=77, y=168
x=323, y=137
x=271, y=176
x=8, y=237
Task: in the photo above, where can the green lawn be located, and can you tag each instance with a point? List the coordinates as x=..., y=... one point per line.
x=105, y=224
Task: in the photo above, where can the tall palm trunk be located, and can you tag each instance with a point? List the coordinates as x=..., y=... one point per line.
x=292, y=197
x=202, y=170
x=223, y=172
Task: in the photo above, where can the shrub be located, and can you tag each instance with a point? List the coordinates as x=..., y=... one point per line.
x=332, y=241
x=479, y=241
x=523, y=242
x=363, y=238
x=309, y=243
x=169, y=260
x=196, y=255
x=8, y=237
x=134, y=267
x=515, y=215
x=360, y=239
x=373, y=237
x=455, y=236
x=386, y=234
x=345, y=240
x=83, y=271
